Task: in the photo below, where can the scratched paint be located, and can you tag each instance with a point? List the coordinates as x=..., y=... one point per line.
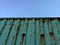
x=29, y=31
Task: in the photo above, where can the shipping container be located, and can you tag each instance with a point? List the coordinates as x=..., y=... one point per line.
x=29, y=31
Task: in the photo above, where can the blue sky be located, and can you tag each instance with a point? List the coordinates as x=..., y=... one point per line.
x=29, y=8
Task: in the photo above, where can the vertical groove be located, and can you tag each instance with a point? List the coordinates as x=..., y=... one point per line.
x=3, y=27
x=17, y=34
x=34, y=31
x=9, y=33
x=26, y=31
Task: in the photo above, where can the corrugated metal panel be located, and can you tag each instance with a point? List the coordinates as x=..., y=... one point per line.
x=30, y=31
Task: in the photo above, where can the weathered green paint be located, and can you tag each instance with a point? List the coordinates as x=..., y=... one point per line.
x=38, y=33
x=46, y=32
x=41, y=27
x=2, y=24
x=5, y=33
x=22, y=33
x=12, y=35
x=30, y=39
x=50, y=27
x=29, y=31
x=55, y=31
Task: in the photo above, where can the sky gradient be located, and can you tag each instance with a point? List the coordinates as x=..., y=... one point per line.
x=29, y=8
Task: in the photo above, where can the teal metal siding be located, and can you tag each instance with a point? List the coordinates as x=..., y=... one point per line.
x=29, y=31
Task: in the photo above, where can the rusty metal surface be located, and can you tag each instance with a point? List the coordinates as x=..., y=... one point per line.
x=30, y=31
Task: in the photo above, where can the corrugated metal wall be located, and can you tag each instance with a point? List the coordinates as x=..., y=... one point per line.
x=30, y=31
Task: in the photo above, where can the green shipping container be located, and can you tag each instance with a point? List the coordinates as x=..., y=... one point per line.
x=29, y=31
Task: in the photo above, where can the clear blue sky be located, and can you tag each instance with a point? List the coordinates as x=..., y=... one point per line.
x=29, y=8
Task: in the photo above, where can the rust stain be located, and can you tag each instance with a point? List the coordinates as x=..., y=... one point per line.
x=42, y=39
x=52, y=39
x=23, y=37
